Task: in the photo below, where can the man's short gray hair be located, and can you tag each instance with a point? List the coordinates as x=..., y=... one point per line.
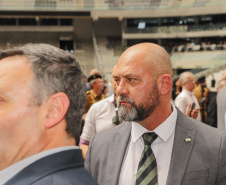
x=184, y=77
x=92, y=82
x=55, y=71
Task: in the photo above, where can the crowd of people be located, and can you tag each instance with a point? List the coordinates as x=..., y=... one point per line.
x=186, y=91
x=144, y=133
x=197, y=46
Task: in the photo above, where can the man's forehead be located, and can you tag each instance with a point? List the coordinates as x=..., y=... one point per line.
x=16, y=61
x=14, y=65
x=132, y=69
x=191, y=77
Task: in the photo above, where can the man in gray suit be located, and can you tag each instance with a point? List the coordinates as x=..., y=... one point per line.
x=186, y=151
x=221, y=105
x=42, y=97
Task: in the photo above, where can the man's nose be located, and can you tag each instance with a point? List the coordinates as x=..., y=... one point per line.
x=121, y=88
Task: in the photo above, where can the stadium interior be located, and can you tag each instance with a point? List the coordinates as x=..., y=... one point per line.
x=98, y=31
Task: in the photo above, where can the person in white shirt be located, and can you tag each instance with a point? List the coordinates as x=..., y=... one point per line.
x=182, y=100
x=99, y=117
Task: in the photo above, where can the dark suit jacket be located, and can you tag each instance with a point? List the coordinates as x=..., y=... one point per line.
x=212, y=112
x=63, y=168
x=202, y=161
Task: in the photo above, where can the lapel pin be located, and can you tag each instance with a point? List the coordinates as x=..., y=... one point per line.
x=188, y=139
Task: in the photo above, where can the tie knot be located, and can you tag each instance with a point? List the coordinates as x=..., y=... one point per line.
x=149, y=138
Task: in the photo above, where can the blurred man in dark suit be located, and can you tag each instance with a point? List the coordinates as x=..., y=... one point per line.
x=42, y=97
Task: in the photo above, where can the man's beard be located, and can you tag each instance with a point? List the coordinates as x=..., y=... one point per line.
x=141, y=111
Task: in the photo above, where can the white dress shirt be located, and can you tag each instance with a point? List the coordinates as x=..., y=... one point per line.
x=12, y=170
x=183, y=99
x=162, y=149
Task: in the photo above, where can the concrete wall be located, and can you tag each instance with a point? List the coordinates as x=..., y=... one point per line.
x=15, y=38
x=107, y=27
x=102, y=27
x=80, y=32
x=83, y=28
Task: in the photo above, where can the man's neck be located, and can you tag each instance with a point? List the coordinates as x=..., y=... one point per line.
x=187, y=89
x=97, y=92
x=157, y=117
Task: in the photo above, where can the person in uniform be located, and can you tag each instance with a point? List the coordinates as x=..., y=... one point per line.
x=94, y=95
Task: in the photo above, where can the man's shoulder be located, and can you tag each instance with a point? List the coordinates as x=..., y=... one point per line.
x=209, y=137
x=89, y=93
x=68, y=176
x=97, y=107
x=105, y=101
x=124, y=126
x=61, y=166
x=206, y=129
x=180, y=98
x=221, y=95
x=90, y=97
x=182, y=94
x=102, y=101
x=193, y=124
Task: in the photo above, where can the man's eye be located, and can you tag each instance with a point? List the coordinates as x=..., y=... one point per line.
x=117, y=80
x=131, y=79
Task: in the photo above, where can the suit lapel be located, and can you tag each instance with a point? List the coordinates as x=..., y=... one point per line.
x=182, y=148
x=118, y=146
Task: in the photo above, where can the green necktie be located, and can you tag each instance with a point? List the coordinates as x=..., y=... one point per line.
x=147, y=168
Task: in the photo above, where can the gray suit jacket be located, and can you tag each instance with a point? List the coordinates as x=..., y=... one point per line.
x=62, y=168
x=202, y=161
x=221, y=108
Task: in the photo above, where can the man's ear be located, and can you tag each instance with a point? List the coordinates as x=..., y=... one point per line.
x=165, y=84
x=58, y=105
x=92, y=84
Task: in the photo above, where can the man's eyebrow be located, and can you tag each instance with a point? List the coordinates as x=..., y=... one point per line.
x=131, y=75
x=127, y=76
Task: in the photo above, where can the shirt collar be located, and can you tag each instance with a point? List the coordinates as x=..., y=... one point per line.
x=163, y=131
x=111, y=99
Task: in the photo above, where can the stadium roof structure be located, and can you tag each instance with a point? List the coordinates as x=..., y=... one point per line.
x=116, y=8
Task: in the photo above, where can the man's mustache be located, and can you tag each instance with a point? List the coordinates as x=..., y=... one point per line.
x=124, y=98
